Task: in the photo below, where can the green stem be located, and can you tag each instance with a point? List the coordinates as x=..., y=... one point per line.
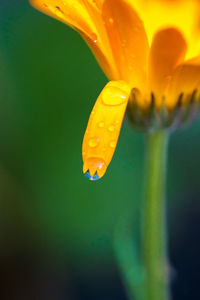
x=154, y=228
x=143, y=265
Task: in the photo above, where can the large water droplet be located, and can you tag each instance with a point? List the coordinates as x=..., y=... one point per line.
x=93, y=142
x=112, y=95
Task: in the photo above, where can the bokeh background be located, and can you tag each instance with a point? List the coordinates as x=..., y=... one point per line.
x=56, y=227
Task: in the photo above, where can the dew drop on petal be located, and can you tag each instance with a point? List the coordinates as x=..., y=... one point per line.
x=112, y=144
x=111, y=21
x=93, y=142
x=92, y=178
x=58, y=12
x=101, y=124
x=94, y=37
x=111, y=128
x=113, y=96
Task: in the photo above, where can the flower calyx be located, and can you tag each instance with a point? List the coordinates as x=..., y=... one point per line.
x=150, y=116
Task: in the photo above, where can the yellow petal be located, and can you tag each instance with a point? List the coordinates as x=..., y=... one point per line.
x=128, y=40
x=185, y=80
x=103, y=128
x=167, y=51
x=181, y=14
x=84, y=16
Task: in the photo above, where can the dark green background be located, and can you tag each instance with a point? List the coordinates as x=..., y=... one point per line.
x=49, y=212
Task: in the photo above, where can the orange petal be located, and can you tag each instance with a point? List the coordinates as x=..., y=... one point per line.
x=84, y=16
x=128, y=40
x=103, y=128
x=167, y=51
x=185, y=79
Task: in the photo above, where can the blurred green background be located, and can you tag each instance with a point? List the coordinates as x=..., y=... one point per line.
x=56, y=226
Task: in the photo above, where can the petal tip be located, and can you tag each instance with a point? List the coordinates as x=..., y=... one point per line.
x=92, y=178
x=94, y=168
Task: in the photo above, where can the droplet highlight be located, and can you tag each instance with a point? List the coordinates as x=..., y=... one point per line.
x=112, y=144
x=111, y=128
x=101, y=124
x=111, y=21
x=94, y=37
x=59, y=12
x=112, y=96
x=93, y=142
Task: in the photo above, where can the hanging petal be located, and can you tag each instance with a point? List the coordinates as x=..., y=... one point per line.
x=103, y=128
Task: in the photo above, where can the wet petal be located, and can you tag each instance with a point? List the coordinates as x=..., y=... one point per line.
x=103, y=128
x=128, y=40
x=167, y=51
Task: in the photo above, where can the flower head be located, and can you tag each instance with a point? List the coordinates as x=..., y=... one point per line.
x=149, y=50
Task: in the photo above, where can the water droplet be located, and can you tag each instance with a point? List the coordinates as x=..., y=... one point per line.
x=93, y=142
x=93, y=178
x=59, y=12
x=101, y=124
x=111, y=21
x=112, y=144
x=94, y=37
x=111, y=128
x=112, y=95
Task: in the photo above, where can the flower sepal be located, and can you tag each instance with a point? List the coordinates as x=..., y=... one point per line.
x=150, y=117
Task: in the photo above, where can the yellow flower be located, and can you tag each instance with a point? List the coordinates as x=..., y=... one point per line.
x=148, y=49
